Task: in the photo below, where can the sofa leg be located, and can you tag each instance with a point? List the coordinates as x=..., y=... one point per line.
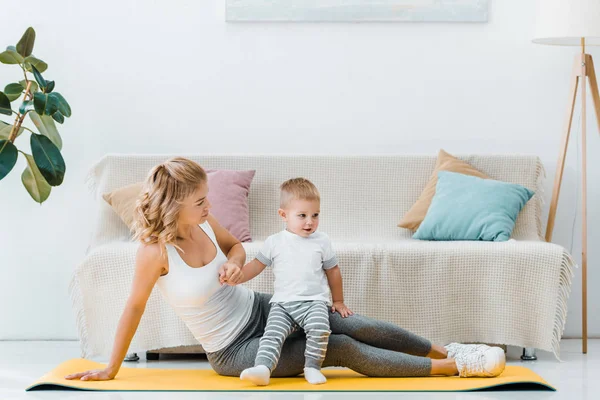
x=528, y=354
x=131, y=357
x=152, y=356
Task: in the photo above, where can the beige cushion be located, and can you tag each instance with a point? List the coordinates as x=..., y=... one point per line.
x=123, y=201
x=445, y=162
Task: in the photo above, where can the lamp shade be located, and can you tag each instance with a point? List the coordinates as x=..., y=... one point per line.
x=565, y=22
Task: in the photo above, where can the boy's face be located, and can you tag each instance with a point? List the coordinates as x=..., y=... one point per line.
x=301, y=216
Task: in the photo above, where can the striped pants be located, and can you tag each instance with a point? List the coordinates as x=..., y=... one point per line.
x=284, y=318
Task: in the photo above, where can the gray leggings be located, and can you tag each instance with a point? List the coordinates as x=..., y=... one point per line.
x=365, y=345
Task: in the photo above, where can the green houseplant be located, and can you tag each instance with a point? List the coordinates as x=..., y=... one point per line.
x=38, y=100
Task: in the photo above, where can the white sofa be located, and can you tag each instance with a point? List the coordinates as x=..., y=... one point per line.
x=511, y=293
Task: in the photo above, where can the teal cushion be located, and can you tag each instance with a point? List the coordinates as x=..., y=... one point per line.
x=466, y=207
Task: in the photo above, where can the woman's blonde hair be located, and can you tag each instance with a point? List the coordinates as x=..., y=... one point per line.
x=297, y=189
x=157, y=207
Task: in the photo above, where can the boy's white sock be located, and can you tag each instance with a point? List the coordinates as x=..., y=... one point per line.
x=259, y=375
x=314, y=376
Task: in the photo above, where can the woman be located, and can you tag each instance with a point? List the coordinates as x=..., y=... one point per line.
x=197, y=264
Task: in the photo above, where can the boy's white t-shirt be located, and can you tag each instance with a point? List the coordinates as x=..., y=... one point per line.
x=299, y=265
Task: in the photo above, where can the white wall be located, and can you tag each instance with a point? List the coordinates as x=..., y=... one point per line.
x=158, y=76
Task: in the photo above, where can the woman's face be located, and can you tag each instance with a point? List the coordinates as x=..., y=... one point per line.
x=195, y=207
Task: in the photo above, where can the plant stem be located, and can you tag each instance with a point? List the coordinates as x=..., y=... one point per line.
x=25, y=74
x=19, y=119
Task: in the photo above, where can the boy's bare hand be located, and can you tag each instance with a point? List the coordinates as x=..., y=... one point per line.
x=341, y=308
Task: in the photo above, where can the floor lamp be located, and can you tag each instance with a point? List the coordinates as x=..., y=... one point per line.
x=573, y=23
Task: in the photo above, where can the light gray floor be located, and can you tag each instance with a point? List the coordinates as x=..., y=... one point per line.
x=21, y=363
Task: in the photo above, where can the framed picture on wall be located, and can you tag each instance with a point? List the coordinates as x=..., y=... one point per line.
x=358, y=10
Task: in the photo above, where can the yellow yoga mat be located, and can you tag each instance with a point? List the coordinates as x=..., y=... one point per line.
x=206, y=380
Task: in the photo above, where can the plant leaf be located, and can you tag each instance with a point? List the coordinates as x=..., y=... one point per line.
x=10, y=56
x=58, y=117
x=39, y=101
x=63, y=106
x=8, y=157
x=48, y=159
x=46, y=126
x=49, y=86
x=26, y=106
x=5, y=130
x=36, y=62
x=33, y=88
x=25, y=45
x=38, y=78
x=34, y=181
x=13, y=91
x=5, y=105
x=51, y=105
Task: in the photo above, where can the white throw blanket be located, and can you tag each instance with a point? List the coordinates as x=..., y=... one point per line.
x=512, y=293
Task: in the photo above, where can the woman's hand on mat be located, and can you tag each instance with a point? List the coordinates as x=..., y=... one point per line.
x=230, y=273
x=340, y=307
x=92, y=375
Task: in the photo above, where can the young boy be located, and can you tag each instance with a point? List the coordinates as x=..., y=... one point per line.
x=305, y=269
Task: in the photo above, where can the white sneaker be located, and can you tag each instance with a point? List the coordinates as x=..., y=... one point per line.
x=453, y=348
x=458, y=348
x=477, y=359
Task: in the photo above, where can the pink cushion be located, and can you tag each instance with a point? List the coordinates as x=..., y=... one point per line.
x=228, y=195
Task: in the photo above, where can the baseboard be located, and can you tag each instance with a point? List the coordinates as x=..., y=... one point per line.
x=194, y=349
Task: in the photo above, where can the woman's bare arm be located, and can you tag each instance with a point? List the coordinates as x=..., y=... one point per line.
x=228, y=243
x=149, y=265
x=230, y=272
